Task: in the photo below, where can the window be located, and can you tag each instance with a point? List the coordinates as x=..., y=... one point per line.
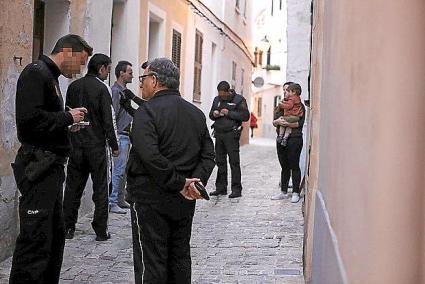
x=244, y=8
x=237, y=4
x=176, y=48
x=198, y=67
x=280, y=5
x=233, y=83
x=269, y=55
x=272, y=7
x=258, y=57
x=259, y=104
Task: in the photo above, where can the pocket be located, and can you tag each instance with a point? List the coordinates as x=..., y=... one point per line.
x=34, y=224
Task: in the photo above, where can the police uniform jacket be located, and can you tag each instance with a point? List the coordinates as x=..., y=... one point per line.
x=91, y=93
x=170, y=142
x=238, y=112
x=40, y=116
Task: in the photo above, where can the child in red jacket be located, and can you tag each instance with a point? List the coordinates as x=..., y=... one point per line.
x=292, y=111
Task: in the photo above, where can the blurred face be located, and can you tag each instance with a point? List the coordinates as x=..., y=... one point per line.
x=127, y=76
x=223, y=94
x=73, y=62
x=104, y=72
x=148, y=84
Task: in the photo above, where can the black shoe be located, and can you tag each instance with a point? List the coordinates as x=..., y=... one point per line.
x=218, y=192
x=235, y=194
x=102, y=238
x=69, y=233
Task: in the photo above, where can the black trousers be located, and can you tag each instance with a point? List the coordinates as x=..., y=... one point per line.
x=82, y=162
x=161, y=242
x=227, y=144
x=289, y=159
x=39, y=247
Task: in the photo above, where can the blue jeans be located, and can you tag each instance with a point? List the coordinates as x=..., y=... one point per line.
x=118, y=171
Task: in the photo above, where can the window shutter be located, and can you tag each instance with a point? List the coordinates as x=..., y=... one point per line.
x=176, y=48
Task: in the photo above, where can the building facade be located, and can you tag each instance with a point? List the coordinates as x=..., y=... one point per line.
x=365, y=203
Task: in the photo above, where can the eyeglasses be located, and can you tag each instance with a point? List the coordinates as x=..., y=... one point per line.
x=142, y=77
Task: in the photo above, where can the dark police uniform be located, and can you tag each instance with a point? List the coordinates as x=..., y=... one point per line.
x=88, y=155
x=42, y=129
x=170, y=142
x=227, y=133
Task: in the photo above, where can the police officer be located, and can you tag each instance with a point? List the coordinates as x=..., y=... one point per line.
x=42, y=125
x=171, y=149
x=88, y=155
x=228, y=111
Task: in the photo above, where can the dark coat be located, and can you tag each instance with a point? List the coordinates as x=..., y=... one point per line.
x=170, y=142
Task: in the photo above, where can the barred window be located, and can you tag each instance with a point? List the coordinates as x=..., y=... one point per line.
x=176, y=48
x=198, y=67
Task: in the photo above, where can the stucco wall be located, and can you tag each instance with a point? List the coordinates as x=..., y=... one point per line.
x=298, y=33
x=371, y=163
x=16, y=40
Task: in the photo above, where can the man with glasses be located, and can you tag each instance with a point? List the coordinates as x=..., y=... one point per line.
x=88, y=155
x=171, y=150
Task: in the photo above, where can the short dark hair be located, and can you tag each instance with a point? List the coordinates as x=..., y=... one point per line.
x=96, y=62
x=75, y=42
x=166, y=72
x=121, y=67
x=223, y=86
x=287, y=83
x=295, y=88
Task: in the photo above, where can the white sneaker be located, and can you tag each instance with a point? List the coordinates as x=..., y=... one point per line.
x=295, y=197
x=280, y=196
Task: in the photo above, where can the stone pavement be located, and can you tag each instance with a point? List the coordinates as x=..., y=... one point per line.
x=247, y=240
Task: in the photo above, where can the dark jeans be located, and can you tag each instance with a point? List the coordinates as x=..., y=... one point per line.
x=82, y=162
x=39, y=247
x=289, y=159
x=227, y=144
x=161, y=242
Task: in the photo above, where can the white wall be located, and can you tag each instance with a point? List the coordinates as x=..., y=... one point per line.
x=125, y=38
x=299, y=38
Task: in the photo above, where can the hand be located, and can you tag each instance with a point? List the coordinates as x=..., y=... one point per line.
x=115, y=153
x=78, y=113
x=216, y=113
x=224, y=111
x=189, y=191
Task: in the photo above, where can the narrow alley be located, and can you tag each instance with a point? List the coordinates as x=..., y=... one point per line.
x=247, y=240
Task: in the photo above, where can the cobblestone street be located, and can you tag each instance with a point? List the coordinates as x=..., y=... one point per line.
x=247, y=240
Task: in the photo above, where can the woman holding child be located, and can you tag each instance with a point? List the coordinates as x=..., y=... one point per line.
x=289, y=119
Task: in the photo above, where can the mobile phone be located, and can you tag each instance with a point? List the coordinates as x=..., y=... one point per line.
x=202, y=190
x=82, y=123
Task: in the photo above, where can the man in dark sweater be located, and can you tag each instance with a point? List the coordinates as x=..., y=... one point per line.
x=228, y=111
x=42, y=125
x=171, y=149
x=88, y=155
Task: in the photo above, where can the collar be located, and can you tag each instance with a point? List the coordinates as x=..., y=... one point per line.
x=166, y=92
x=116, y=84
x=56, y=72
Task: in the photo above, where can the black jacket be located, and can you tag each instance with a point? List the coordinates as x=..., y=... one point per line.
x=170, y=142
x=91, y=93
x=238, y=112
x=40, y=116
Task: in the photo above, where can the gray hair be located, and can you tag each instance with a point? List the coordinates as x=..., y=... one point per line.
x=167, y=72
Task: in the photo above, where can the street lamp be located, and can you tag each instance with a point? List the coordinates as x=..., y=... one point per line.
x=264, y=44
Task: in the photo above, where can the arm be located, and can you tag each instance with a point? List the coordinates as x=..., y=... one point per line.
x=206, y=160
x=108, y=124
x=240, y=113
x=116, y=100
x=125, y=101
x=145, y=142
x=214, y=108
x=30, y=103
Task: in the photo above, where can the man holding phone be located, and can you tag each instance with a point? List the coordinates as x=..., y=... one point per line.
x=171, y=150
